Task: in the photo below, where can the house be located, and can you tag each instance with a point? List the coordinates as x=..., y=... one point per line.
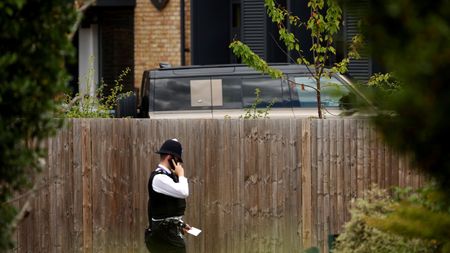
x=140, y=34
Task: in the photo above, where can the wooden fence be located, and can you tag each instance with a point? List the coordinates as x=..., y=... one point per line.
x=255, y=185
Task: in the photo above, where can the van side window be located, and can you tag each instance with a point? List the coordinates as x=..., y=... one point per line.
x=331, y=90
x=175, y=94
x=271, y=90
x=232, y=93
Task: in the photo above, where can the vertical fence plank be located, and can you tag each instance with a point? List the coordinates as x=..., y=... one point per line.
x=381, y=164
x=53, y=197
x=144, y=140
x=360, y=158
x=354, y=158
x=43, y=203
x=347, y=167
x=306, y=183
x=333, y=178
x=395, y=170
x=291, y=190
x=366, y=155
x=373, y=161
x=99, y=191
x=67, y=190
x=192, y=159
x=86, y=168
x=314, y=186
x=326, y=182
x=136, y=222
x=321, y=222
x=77, y=185
x=340, y=156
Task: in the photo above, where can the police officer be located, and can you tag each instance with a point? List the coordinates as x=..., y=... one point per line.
x=167, y=188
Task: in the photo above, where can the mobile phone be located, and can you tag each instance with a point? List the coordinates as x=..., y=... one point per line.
x=171, y=161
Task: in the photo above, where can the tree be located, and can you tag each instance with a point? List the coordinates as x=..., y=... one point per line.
x=33, y=50
x=323, y=24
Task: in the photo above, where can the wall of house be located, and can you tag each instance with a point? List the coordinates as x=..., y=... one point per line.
x=157, y=36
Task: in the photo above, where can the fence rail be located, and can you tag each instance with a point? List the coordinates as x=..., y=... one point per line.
x=255, y=185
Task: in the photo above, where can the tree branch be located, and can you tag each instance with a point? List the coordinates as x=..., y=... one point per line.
x=290, y=57
x=80, y=11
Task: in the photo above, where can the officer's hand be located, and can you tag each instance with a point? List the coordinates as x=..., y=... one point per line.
x=178, y=168
x=186, y=228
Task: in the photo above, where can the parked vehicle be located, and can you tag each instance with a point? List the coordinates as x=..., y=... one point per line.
x=226, y=90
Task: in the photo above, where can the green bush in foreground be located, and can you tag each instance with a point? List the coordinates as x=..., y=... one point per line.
x=359, y=236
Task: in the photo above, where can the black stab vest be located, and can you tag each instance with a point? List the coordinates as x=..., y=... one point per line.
x=162, y=206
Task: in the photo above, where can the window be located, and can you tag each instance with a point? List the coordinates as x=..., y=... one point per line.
x=331, y=91
x=271, y=90
x=232, y=93
x=195, y=94
x=175, y=94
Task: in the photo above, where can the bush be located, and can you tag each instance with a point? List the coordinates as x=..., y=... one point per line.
x=252, y=112
x=360, y=237
x=99, y=105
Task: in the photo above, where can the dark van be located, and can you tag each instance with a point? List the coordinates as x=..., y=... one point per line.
x=226, y=90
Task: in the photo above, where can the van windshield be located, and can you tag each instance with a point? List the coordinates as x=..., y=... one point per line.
x=331, y=91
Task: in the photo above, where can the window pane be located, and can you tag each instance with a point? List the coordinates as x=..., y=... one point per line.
x=306, y=96
x=270, y=91
x=174, y=94
x=331, y=91
x=232, y=93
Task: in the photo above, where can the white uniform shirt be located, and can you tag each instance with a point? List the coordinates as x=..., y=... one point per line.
x=165, y=185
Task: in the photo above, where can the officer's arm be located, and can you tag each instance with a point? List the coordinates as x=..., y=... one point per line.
x=165, y=185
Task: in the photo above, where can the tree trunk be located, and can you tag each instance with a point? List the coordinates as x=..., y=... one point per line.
x=319, y=102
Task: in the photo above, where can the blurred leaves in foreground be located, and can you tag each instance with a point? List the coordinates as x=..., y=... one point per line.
x=33, y=50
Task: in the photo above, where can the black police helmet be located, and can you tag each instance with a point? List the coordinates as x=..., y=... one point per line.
x=171, y=147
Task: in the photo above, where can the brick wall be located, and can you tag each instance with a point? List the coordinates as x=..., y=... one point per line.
x=157, y=36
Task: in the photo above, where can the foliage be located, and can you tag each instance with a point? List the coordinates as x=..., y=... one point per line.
x=322, y=27
x=423, y=214
x=99, y=105
x=411, y=39
x=359, y=236
x=385, y=82
x=34, y=47
x=377, y=90
x=252, y=112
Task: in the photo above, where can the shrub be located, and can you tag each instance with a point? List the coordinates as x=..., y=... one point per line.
x=360, y=237
x=252, y=112
x=99, y=105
